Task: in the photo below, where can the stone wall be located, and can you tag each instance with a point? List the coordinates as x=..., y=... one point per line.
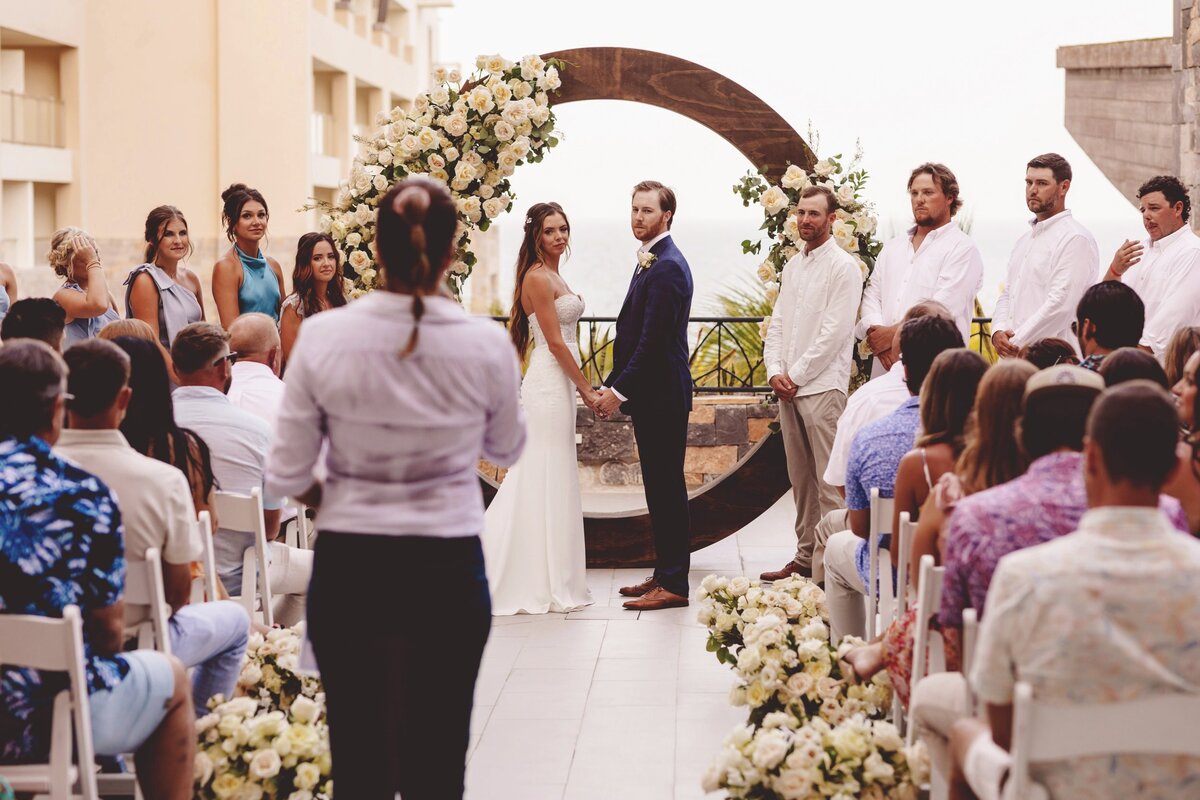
x=721, y=430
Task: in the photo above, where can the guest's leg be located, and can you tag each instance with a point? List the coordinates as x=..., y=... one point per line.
x=834, y=522
x=662, y=445
x=211, y=637
x=939, y=700
x=800, y=473
x=844, y=589
x=291, y=572
x=822, y=412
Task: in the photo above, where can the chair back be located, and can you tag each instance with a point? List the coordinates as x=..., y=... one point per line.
x=1162, y=724
x=927, y=643
x=54, y=645
x=881, y=523
x=239, y=512
x=970, y=635
x=903, y=549
x=206, y=587
x=146, y=592
x=303, y=526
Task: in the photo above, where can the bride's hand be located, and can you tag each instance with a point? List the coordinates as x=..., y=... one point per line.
x=590, y=398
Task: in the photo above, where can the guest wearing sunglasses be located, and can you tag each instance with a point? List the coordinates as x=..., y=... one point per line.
x=1049, y=352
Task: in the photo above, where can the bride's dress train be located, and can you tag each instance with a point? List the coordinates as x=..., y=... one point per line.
x=533, y=531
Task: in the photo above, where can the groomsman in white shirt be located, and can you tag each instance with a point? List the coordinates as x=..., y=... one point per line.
x=933, y=260
x=1051, y=266
x=1165, y=271
x=810, y=341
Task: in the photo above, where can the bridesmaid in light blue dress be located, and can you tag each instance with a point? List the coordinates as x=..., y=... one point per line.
x=246, y=280
x=84, y=294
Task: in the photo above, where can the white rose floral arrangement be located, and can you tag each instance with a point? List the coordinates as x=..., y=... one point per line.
x=271, y=674
x=246, y=753
x=468, y=135
x=854, y=229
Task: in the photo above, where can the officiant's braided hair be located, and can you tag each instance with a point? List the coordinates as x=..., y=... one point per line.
x=414, y=239
x=529, y=256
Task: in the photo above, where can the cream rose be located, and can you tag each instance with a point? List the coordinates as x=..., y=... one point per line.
x=494, y=207
x=408, y=145
x=470, y=207
x=363, y=214
x=770, y=748
x=225, y=785
x=496, y=64
x=439, y=96
x=384, y=156
x=359, y=260
x=531, y=67
x=552, y=81
x=460, y=268
x=455, y=125
x=439, y=75
x=520, y=89
x=845, y=194
x=305, y=710
x=504, y=131
x=507, y=162
x=539, y=115
x=773, y=200
x=515, y=113
x=823, y=168
x=464, y=172
x=455, y=76
x=794, y=178
x=501, y=93
x=307, y=775
x=203, y=769
x=440, y=175
x=481, y=100
x=436, y=161
x=380, y=183
x=427, y=139
x=421, y=103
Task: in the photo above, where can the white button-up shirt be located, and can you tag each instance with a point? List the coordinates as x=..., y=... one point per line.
x=874, y=400
x=1168, y=281
x=257, y=389
x=1050, y=268
x=810, y=337
x=404, y=434
x=947, y=267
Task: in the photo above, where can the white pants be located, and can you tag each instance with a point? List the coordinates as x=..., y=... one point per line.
x=844, y=589
x=938, y=702
x=833, y=522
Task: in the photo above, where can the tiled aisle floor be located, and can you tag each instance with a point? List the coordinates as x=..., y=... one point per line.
x=608, y=704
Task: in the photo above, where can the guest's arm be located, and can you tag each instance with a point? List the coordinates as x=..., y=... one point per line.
x=289, y=329
x=504, y=434
x=104, y=629
x=871, y=310
x=271, y=521
x=226, y=280
x=177, y=584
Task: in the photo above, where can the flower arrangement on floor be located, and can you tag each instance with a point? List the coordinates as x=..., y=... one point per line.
x=469, y=135
x=271, y=673
x=811, y=732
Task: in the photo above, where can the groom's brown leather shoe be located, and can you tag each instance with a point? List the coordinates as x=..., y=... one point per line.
x=657, y=599
x=639, y=589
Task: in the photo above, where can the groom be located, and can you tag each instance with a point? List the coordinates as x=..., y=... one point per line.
x=652, y=383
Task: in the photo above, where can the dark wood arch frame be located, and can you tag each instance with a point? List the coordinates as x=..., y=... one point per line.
x=729, y=503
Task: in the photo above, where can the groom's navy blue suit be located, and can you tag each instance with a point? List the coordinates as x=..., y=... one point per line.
x=650, y=369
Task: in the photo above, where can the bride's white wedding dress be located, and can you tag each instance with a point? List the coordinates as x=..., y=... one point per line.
x=533, y=530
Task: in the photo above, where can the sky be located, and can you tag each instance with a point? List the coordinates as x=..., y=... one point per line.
x=973, y=85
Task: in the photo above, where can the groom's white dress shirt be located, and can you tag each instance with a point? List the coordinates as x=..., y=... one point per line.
x=1168, y=281
x=1052, y=265
x=645, y=248
x=947, y=267
x=810, y=337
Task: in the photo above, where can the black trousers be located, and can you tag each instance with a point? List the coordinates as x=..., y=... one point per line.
x=661, y=436
x=398, y=625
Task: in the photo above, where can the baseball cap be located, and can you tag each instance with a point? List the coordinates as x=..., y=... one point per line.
x=1064, y=376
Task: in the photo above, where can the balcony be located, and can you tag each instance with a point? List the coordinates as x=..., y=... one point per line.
x=29, y=120
x=322, y=134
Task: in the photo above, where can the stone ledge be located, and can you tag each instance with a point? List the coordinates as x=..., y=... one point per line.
x=1123, y=55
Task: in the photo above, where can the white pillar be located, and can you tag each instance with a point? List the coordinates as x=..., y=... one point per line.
x=18, y=224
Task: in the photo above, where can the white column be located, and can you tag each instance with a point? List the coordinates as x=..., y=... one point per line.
x=18, y=224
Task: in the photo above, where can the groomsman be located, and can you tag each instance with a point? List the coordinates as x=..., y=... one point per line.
x=932, y=260
x=1051, y=267
x=1164, y=271
x=807, y=353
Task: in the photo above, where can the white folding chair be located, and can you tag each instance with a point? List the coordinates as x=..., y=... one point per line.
x=1163, y=724
x=303, y=528
x=146, y=593
x=205, y=588
x=244, y=513
x=903, y=549
x=54, y=645
x=925, y=640
x=969, y=637
x=879, y=572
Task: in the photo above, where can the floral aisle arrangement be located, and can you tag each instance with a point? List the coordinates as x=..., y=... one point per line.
x=468, y=135
x=802, y=708
x=271, y=674
x=854, y=229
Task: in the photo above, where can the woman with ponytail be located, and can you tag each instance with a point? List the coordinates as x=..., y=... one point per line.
x=407, y=392
x=533, y=530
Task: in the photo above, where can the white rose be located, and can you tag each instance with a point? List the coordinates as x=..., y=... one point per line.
x=470, y=207
x=794, y=178
x=531, y=67
x=876, y=770
x=481, y=99
x=495, y=176
x=439, y=175
x=507, y=162
x=384, y=157
x=887, y=736
x=846, y=237
x=307, y=775
x=791, y=228
x=520, y=89
x=247, y=791
x=496, y=64
x=203, y=769
x=359, y=260
x=360, y=181
x=455, y=76
x=494, y=207
x=770, y=748
x=772, y=295
x=520, y=146
x=539, y=115
x=773, y=200
x=850, y=741
x=439, y=74
x=823, y=168
x=363, y=214
x=455, y=125
x=450, y=154
x=473, y=158
x=305, y=709
x=460, y=268
x=504, y=131
x=749, y=660
x=486, y=191
x=552, y=81
x=440, y=96
x=427, y=139
x=354, y=239
x=845, y=194
x=501, y=93
x=739, y=586
x=338, y=229
x=300, y=794
x=865, y=224
x=380, y=183
x=251, y=675
x=265, y=764
x=515, y=113
x=408, y=145
x=766, y=272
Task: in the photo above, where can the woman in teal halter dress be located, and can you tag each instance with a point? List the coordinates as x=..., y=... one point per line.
x=244, y=279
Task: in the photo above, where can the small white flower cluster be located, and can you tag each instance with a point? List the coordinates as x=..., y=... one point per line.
x=470, y=136
x=782, y=759
x=270, y=674
x=246, y=753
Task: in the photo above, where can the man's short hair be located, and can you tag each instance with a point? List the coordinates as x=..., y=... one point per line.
x=1131, y=364
x=197, y=345
x=928, y=308
x=99, y=370
x=1117, y=312
x=1055, y=409
x=944, y=178
x=921, y=341
x=1172, y=189
x=666, y=196
x=1136, y=427
x=1047, y=352
x=830, y=201
x=253, y=334
x=32, y=374
x=1053, y=162
x=35, y=318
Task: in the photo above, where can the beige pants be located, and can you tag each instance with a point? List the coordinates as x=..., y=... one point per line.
x=845, y=592
x=834, y=522
x=939, y=701
x=808, y=425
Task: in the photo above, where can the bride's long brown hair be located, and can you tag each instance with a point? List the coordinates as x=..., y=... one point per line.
x=530, y=255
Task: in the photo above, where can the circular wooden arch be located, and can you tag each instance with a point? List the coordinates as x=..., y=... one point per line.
x=723, y=506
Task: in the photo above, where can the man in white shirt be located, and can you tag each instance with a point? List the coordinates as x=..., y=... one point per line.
x=156, y=511
x=933, y=260
x=1165, y=271
x=810, y=342
x=255, y=385
x=1051, y=266
x=238, y=442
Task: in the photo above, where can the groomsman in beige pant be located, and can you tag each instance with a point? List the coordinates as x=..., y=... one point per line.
x=808, y=351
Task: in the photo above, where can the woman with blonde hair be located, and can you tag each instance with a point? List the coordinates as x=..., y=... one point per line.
x=84, y=294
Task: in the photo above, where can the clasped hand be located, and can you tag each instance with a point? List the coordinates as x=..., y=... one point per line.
x=604, y=402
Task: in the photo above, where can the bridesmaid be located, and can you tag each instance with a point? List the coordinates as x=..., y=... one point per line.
x=244, y=279
x=316, y=286
x=84, y=294
x=163, y=292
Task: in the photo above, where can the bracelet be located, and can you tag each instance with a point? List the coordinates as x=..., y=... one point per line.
x=95, y=265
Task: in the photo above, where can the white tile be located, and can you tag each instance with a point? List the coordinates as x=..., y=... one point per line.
x=582, y=657
x=635, y=669
x=607, y=611
x=544, y=704
x=632, y=693
x=538, y=680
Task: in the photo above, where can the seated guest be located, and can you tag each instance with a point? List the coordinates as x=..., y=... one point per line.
x=1109, y=316
x=1105, y=614
x=1185, y=342
x=1184, y=485
x=874, y=458
x=1048, y=353
x=156, y=507
x=238, y=442
x=256, y=386
x=1130, y=364
x=63, y=546
x=35, y=318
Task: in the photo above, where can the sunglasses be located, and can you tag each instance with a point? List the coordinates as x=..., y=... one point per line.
x=1071, y=360
x=232, y=358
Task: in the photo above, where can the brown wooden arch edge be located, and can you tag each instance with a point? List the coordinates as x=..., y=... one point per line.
x=759, y=479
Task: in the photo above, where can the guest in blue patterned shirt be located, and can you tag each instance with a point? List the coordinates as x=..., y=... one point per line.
x=874, y=458
x=61, y=544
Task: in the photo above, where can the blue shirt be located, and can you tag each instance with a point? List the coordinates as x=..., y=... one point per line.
x=81, y=329
x=61, y=543
x=874, y=458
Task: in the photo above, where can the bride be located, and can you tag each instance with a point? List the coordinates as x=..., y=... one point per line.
x=533, y=530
